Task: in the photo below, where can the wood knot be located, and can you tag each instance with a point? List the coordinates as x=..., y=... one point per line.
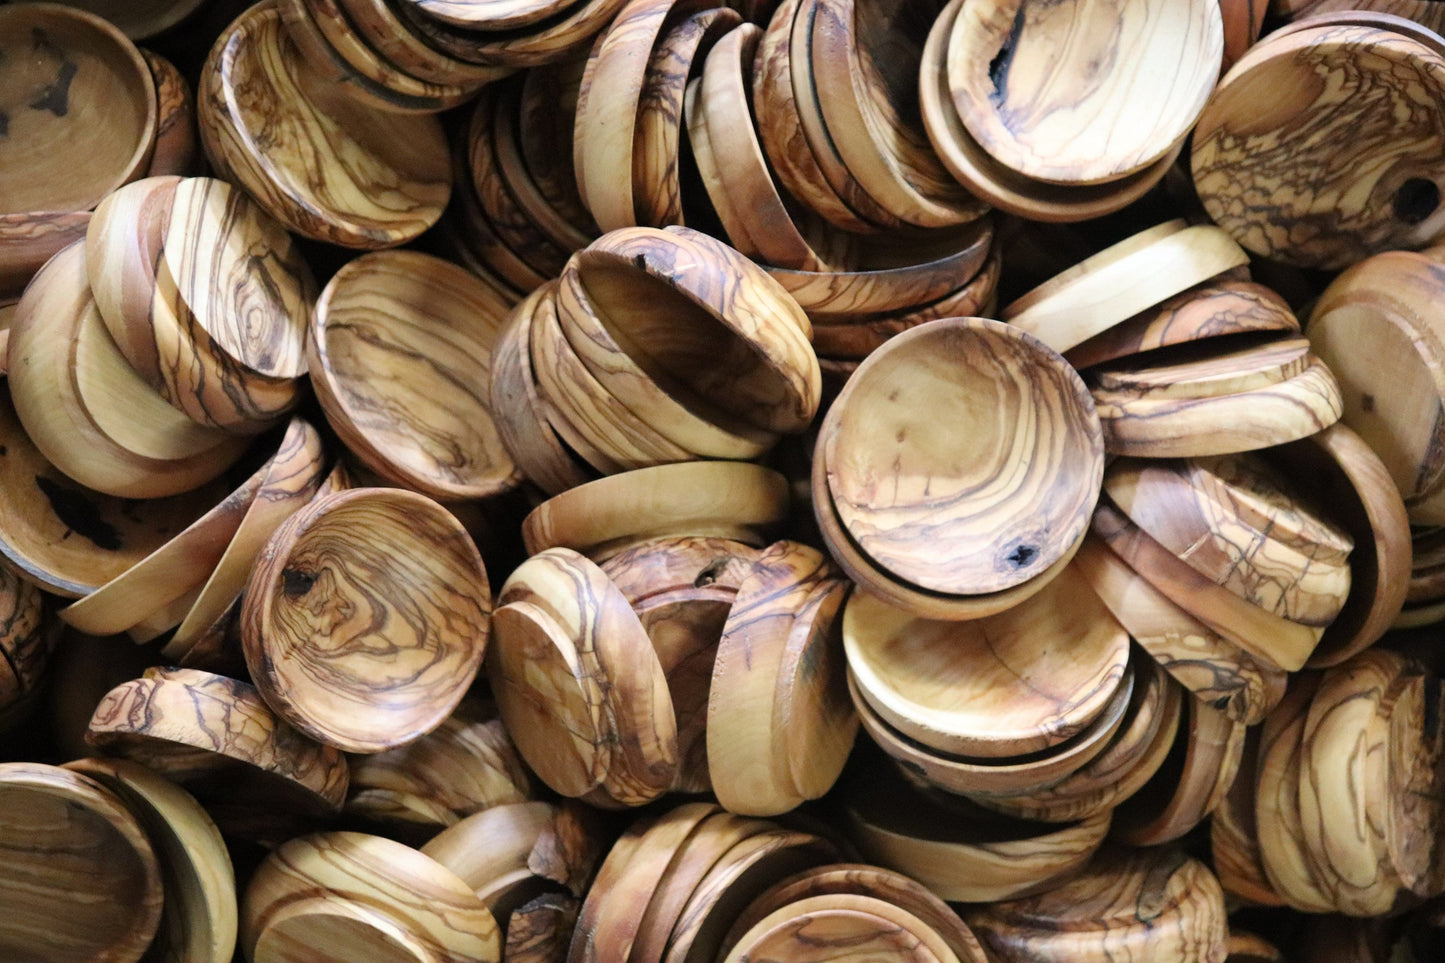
x=296, y=583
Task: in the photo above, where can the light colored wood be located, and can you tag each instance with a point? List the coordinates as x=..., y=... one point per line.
x=123, y=242
x=1209, y=373
x=492, y=15
x=1316, y=148
x=400, y=356
x=82, y=880
x=895, y=465
x=198, y=921
x=79, y=89
x=1234, y=837
x=1282, y=851
x=846, y=933
x=28, y=240
x=819, y=721
x=748, y=719
x=341, y=895
x=621, y=672
x=187, y=724
x=1243, y=24
x=1213, y=309
x=1273, y=640
x=1119, y=282
x=1052, y=92
x=540, y=211
x=1218, y=672
x=177, y=142
x=292, y=478
x=563, y=37
x=366, y=641
x=1127, y=903
x=492, y=843
x=1200, y=509
x=320, y=169
x=695, y=498
x=379, y=26
x=1021, y=682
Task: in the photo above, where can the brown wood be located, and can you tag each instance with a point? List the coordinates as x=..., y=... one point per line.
x=83, y=883
x=177, y=142
x=28, y=240
x=1208, y=372
x=1243, y=24
x=1277, y=814
x=377, y=24
x=492, y=844
x=1234, y=836
x=846, y=933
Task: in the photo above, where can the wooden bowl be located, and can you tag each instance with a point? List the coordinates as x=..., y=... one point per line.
x=378, y=24
x=79, y=89
x=492, y=844
x=401, y=661
x=199, y=918
x=84, y=406
x=431, y=327
x=362, y=897
x=141, y=19
x=82, y=881
x=30, y=239
x=177, y=141
x=563, y=36
x=1233, y=837
x=326, y=177
x=834, y=923
x=1058, y=102
x=26, y=641
x=729, y=499
x=1014, y=684
x=889, y=466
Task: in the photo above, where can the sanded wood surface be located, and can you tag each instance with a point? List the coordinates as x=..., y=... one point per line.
x=177, y=141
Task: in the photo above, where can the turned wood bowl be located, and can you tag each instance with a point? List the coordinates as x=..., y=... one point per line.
x=400, y=356
x=1014, y=684
x=412, y=598
x=1053, y=93
x=82, y=881
x=341, y=173
x=76, y=88
x=917, y=442
x=199, y=919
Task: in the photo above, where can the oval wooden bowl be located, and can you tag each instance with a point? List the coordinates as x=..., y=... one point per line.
x=1100, y=913
x=199, y=918
x=418, y=600
x=326, y=177
x=887, y=468
x=80, y=89
x=176, y=139
x=83, y=881
x=1057, y=101
x=430, y=326
x=363, y=897
x=1255, y=174
x=110, y=432
x=192, y=726
x=1018, y=683
x=728, y=499
x=752, y=334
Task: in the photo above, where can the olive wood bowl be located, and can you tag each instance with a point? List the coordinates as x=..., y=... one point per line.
x=30, y=239
x=177, y=141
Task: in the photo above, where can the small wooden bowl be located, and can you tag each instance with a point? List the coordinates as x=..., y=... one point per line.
x=1057, y=102
x=364, y=896
x=1207, y=371
x=1015, y=684
x=324, y=178
x=199, y=919
x=727, y=499
x=1101, y=913
x=177, y=142
x=397, y=666
x=888, y=466
x=82, y=881
x=80, y=89
x=431, y=326
x=142, y=19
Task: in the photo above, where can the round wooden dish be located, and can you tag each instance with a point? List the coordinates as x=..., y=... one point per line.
x=84, y=406
x=937, y=513
x=400, y=356
x=199, y=920
x=77, y=89
x=1021, y=682
x=325, y=166
x=728, y=499
x=417, y=599
x=82, y=884
x=1052, y=96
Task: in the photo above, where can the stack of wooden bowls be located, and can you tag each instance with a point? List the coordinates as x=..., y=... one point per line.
x=654, y=346
x=127, y=112
x=1043, y=116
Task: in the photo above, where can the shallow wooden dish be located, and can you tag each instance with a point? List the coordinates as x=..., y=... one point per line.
x=365, y=896
x=394, y=673
x=82, y=880
x=324, y=177
x=1233, y=836
x=79, y=89
x=90, y=413
x=29, y=239
x=199, y=918
x=1257, y=173
x=728, y=499
x=217, y=737
x=1021, y=682
x=492, y=843
x=888, y=467
x=431, y=327
x=1052, y=96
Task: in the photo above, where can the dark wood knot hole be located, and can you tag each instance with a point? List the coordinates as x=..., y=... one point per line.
x=296, y=583
x=1416, y=200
